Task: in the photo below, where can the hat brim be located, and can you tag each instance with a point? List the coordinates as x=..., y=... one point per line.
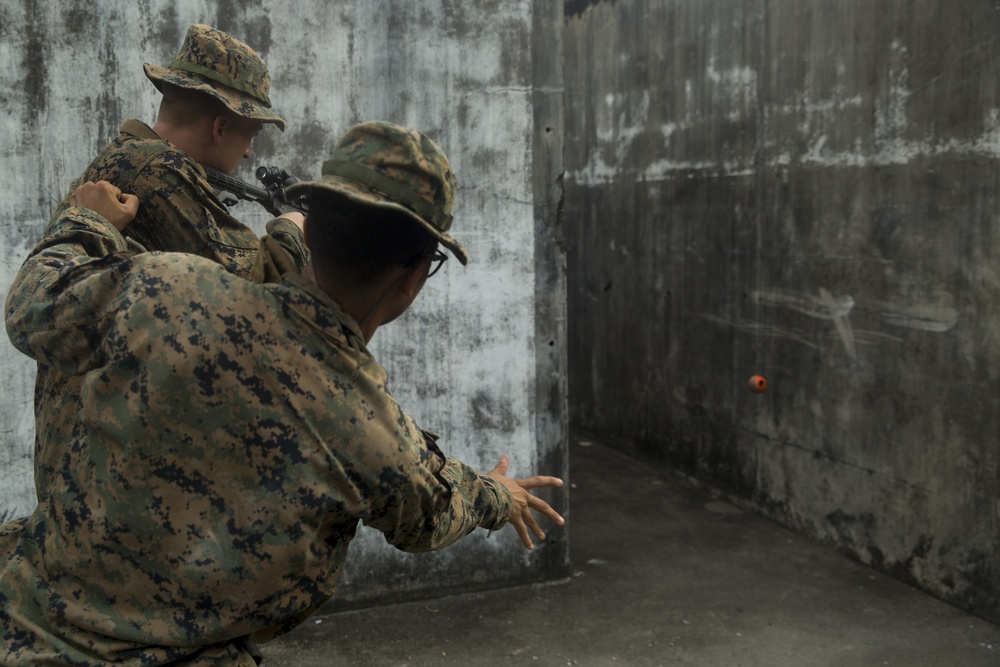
x=362, y=194
x=237, y=102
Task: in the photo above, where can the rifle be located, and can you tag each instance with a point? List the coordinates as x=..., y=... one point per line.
x=231, y=189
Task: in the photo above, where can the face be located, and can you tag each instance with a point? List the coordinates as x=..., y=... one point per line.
x=235, y=140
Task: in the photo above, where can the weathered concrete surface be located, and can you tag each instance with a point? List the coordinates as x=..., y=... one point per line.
x=806, y=190
x=475, y=358
x=664, y=574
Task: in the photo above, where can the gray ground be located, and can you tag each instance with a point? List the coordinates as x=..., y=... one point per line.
x=664, y=574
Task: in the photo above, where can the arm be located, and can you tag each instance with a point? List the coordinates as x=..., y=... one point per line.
x=510, y=497
x=422, y=500
x=287, y=232
x=179, y=212
x=419, y=499
x=66, y=293
x=285, y=228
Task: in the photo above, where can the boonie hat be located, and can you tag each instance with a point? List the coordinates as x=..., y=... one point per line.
x=222, y=66
x=387, y=166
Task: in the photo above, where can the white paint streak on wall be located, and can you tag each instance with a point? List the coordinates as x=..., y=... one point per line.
x=890, y=115
x=840, y=321
x=757, y=328
x=935, y=318
x=935, y=315
x=766, y=330
x=733, y=92
x=620, y=122
x=892, y=151
x=823, y=307
x=734, y=89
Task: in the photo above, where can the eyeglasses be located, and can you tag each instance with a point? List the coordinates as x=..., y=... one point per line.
x=438, y=259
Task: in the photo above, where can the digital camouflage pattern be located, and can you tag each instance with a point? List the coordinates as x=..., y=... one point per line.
x=232, y=436
x=178, y=211
x=222, y=66
x=388, y=166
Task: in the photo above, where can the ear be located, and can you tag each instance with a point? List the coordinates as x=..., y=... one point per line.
x=415, y=277
x=220, y=125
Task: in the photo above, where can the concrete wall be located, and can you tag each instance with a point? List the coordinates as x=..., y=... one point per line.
x=806, y=189
x=481, y=356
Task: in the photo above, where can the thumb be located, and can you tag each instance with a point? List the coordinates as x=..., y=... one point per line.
x=131, y=203
x=501, y=466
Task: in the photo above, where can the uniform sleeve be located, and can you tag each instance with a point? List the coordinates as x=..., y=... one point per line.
x=290, y=237
x=66, y=293
x=179, y=212
x=420, y=499
x=489, y=500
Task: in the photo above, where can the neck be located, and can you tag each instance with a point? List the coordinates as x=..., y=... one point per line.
x=188, y=138
x=370, y=308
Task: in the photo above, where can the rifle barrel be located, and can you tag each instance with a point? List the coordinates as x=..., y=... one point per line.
x=237, y=186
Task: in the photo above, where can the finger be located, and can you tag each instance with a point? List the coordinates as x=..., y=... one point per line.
x=538, y=482
x=522, y=531
x=81, y=191
x=501, y=466
x=543, y=508
x=532, y=525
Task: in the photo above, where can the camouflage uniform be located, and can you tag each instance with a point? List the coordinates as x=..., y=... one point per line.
x=230, y=440
x=178, y=209
x=231, y=437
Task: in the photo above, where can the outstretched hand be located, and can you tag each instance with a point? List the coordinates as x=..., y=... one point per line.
x=107, y=201
x=522, y=517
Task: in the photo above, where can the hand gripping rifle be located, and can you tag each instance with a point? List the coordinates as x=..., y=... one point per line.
x=231, y=189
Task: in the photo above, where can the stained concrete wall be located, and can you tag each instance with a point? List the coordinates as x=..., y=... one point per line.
x=481, y=356
x=805, y=189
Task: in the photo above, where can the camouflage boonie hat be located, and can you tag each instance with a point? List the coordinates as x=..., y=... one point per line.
x=384, y=165
x=220, y=65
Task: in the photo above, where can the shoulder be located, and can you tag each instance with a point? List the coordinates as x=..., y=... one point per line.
x=138, y=139
x=129, y=156
x=184, y=291
x=192, y=275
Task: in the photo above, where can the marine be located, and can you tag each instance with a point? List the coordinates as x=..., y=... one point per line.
x=233, y=434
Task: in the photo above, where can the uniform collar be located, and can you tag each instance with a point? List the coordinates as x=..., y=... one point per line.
x=139, y=129
x=311, y=288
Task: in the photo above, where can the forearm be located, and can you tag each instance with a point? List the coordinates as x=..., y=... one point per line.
x=289, y=236
x=474, y=501
x=486, y=503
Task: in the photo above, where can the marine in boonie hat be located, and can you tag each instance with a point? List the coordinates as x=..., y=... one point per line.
x=387, y=166
x=222, y=66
